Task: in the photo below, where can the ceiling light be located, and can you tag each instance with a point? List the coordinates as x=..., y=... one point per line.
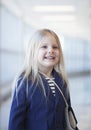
x=59, y=18
x=54, y=8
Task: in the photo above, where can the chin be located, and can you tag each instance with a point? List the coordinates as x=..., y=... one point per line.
x=51, y=65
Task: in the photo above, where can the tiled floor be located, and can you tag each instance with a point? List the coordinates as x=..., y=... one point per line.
x=80, y=90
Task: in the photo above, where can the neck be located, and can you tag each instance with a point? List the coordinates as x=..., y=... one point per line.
x=47, y=73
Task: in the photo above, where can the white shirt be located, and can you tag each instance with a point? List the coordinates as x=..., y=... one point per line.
x=51, y=84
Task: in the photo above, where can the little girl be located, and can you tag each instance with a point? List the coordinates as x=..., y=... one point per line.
x=37, y=104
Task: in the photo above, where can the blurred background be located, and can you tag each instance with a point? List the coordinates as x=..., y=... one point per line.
x=71, y=20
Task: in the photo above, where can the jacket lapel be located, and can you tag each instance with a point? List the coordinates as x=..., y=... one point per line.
x=59, y=81
x=49, y=93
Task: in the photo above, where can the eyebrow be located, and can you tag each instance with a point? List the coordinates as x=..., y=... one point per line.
x=48, y=43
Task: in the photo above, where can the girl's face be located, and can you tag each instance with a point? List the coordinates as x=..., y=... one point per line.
x=48, y=53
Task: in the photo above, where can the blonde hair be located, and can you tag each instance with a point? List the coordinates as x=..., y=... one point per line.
x=31, y=65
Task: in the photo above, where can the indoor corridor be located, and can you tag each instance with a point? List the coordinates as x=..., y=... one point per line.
x=71, y=21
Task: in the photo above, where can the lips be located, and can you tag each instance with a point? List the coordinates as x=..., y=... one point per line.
x=50, y=57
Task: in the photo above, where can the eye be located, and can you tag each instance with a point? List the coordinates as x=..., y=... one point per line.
x=55, y=47
x=44, y=46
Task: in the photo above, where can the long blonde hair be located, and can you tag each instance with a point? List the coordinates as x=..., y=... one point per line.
x=31, y=65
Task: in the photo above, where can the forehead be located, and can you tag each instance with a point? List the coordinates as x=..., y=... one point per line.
x=49, y=39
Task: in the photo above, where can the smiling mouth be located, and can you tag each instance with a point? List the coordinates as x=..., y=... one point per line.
x=50, y=57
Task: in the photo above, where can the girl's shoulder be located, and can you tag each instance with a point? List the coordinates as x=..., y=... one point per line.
x=21, y=86
x=21, y=83
x=23, y=80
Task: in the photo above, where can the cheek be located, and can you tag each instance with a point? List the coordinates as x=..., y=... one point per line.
x=40, y=55
x=58, y=53
x=58, y=56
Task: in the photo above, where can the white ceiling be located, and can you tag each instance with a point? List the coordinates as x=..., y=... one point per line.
x=79, y=27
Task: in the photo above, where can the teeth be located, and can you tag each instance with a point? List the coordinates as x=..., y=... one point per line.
x=50, y=57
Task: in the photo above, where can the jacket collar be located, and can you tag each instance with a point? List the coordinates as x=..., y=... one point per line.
x=59, y=81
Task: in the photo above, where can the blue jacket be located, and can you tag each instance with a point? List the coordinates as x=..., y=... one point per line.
x=35, y=111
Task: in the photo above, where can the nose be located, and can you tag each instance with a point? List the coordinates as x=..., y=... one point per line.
x=50, y=50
